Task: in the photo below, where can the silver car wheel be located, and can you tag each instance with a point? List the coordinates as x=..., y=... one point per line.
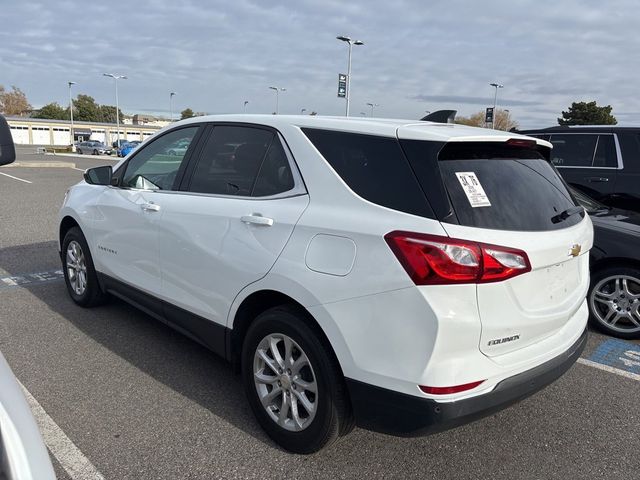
x=76, y=268
x=285, y=382
x=615, y=302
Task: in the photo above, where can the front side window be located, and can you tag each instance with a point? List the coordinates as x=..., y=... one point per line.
x=242, y=161
x=155, y=166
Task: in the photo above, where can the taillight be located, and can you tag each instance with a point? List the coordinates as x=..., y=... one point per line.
x=437, y=260
x=522, y=143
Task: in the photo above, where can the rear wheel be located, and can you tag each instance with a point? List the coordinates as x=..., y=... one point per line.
x=614, y=301
x=95, y=152
x=79, y=150
x=79, y=272
x=293, y=383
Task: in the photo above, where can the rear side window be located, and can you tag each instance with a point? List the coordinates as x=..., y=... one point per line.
x=573, y=150
x=501, y=193
x=242, y=161
x=374, y=167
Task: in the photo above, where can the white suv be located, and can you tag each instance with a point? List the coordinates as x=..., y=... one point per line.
x=405, y=277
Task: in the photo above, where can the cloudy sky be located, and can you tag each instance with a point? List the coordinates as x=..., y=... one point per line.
x=418, y=55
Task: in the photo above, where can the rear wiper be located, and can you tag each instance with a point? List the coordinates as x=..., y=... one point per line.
x=566, y=214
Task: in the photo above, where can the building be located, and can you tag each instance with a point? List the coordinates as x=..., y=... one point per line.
x=38, y=131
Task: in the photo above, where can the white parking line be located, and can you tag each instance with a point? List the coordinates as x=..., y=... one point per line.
x=607, y=368
x=76, y=168
x=68, y=455
x=15, y=178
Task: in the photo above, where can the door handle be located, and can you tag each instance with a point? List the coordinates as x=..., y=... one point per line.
x=257, y=219
x=597, y=179
x=150, y=207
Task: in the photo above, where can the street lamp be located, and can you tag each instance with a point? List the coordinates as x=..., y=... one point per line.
x=302, y=111
x=348, y=91
x=245, y=105
x=277, y=90
x=373, y=105
x=495, y=99
x=171, y=95
x=115, y=80
x=73, y=147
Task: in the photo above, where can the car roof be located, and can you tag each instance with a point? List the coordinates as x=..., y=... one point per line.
x=582, y=128
x=389, y=127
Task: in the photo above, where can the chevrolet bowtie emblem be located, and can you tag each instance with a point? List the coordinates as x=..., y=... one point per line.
x=575, y=250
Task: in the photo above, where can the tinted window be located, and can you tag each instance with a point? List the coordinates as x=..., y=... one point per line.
x=373, y=167
x=230, y=160
x=523, y=194
x=573, y=150
x=155, y=166
x=275, y=173
x=605, y=152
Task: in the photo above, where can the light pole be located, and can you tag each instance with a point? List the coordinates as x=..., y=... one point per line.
x=171, y=95
x=277, y=90
x=351, y=44
x=373, y=105
x=73, y=148
x=495, y=100
x=115, y=80
x=245, y=105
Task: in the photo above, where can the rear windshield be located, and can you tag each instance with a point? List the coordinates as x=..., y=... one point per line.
x=501, y=188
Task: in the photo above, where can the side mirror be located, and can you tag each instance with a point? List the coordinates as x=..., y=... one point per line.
x=99, y=175
x=7, y=149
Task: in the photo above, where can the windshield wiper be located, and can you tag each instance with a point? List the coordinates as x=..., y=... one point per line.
x=562, y=216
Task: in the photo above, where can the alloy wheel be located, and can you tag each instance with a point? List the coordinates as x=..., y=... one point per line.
x=285, y=382
x=615, y=302
x=76, y=268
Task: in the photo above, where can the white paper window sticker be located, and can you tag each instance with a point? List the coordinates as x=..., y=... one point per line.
x=473, y=189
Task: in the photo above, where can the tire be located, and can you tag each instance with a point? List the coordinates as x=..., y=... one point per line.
x=95, y=152
x=76, y=250
x=79, y=150
x=614, y=301
x=331, y=414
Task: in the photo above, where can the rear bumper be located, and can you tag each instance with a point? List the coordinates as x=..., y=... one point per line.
x=395, y=413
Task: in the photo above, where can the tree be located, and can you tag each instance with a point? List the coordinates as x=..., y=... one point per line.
x=502, y=120
x=86, y=109
x=14, y=102
x=587, y=113
x=108, y=114
x=52, y=111
x=186, y=113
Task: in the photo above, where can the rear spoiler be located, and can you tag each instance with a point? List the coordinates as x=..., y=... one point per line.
x=441, y=116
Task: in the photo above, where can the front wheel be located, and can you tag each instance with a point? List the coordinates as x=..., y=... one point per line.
x=293, y=382
x=95, y=152
x=614, y=301
x=79, y=272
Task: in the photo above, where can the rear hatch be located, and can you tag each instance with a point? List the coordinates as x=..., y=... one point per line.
x=508, y=194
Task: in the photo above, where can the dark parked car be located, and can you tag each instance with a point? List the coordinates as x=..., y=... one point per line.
x=91, y=148
x=601, y=161
x=614, y=293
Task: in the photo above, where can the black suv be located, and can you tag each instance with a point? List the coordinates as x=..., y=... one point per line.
x=603, y=162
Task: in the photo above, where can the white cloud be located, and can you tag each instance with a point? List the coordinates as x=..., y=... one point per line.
x=417, y=55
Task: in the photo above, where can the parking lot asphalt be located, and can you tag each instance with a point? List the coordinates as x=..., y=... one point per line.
x=141, y=401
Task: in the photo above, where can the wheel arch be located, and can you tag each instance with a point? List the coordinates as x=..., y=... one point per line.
x=259, y=301
x=67, y=223
x=614, y=262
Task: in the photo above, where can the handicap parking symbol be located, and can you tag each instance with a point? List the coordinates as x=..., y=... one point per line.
x=618, y=354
